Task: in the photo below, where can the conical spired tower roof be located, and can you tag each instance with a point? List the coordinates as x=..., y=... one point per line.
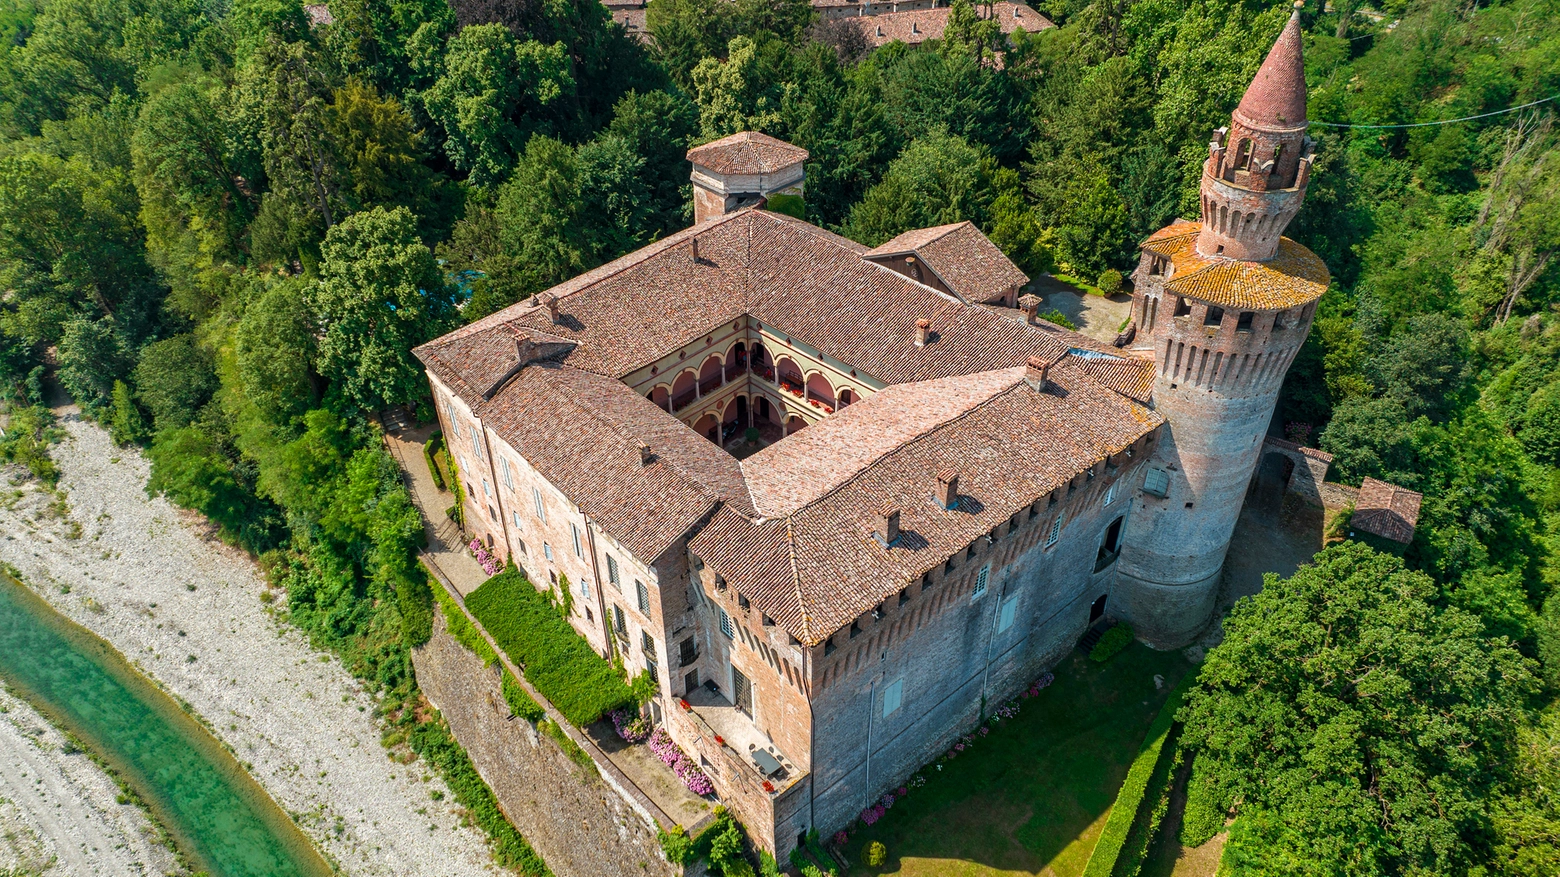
x=1276, y=97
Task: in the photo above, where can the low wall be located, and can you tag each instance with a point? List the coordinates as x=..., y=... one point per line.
x=1310, y=472
x=1336, y=496
x=580, y=825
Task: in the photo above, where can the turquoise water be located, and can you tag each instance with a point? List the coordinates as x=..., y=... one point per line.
x=218, y=815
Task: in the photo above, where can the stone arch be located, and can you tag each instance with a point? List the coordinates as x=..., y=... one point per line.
x=820, y=390
x=712, y=368
x=708, y=426
x=684, y=388
x=661, y=395
x=732, y=411
x=794, y=424
x=788, y=372
x=736, y=358
x=846, y=396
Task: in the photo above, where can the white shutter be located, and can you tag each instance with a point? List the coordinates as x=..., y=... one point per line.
x=893, y=696
x=1008, y=611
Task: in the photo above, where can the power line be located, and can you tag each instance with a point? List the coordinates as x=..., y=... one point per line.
x=1443, y=121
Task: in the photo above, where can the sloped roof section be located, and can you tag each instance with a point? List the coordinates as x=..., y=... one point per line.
x=817, y=568
x=1386, y=510
x=967, y=261
x=746, y=153
x=1294, y=276
x=1276, y=97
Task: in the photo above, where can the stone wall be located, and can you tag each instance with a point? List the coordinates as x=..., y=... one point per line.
x=1310, y=467
x=579, y=824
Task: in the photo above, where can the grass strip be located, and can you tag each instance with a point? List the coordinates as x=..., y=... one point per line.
x=1124, y=813
x=554, y=658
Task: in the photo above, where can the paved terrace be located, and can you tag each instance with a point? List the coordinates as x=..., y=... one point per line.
x=633, y=771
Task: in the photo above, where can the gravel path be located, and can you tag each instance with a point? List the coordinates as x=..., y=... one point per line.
x=59, y=812
x=186, y=610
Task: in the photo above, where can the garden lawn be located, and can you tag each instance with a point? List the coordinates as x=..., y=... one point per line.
x=1032, y=797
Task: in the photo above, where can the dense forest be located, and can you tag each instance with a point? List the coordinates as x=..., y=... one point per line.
x=225, y=223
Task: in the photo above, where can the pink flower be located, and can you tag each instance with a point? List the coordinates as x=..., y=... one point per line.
x=958, y=747
x=903, y=791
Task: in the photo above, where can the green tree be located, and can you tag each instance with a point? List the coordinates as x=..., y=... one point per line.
x=1358, y=728
x=126, y=425
x=938, y=179
x=736, y=94
x=1093, y=234
x=380, y=294
x=492, y=95
x=91, y=359
x=275, y=348
x=657, y=126
x=174, y=379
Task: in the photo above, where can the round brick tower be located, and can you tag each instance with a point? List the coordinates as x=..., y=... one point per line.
x=1222, y=306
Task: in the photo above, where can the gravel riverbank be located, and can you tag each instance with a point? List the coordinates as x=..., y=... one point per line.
x=186, y=610
x=60, y=813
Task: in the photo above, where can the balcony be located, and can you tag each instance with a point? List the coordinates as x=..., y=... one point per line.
x=736, y=733
x=818, y=400
x=711, y=383
x=685, y=398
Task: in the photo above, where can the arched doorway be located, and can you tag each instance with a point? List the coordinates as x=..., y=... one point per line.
x=742, y=412
x=847, y=396
x=764, y=415
x=684, y=390
x=795, y=425
x=709, y=427
x=820, y=393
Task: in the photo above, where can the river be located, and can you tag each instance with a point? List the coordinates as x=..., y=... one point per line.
x=218, y=816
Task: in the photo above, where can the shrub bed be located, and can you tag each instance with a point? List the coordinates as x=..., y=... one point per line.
x=520, y=702
x=1129, y=799
x=553, y=657
x=430, y=451
x=1111, y=644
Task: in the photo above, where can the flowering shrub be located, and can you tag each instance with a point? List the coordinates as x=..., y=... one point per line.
x=888, y=800
x=685, y=768
x=984, y=731
x=631, y=726
x=903, y=791
x=917, y=781
x=1007, y=711
x=872, y=814
x=1040, y=684
x=840, y=838
x=490, y=564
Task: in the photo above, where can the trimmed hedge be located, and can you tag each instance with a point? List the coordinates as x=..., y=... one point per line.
x=1111, y=644
x=1123, y=814
x=430, y=451
x=554, y=658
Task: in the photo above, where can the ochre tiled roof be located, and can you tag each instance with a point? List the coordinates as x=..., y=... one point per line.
x=1294, y=276
x=817, y=568
x=1386, y=510
x=920, y=25
x=966, y=260
x=748, y=152
x=570, y=415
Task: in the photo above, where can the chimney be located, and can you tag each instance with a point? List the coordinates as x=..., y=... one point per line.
x=1037, y=372
x=915, y=27
x=923, y=330
x=646, y=456
x=914, y=266
x=693, y=243
x=948, y=489
x=550, y=302
x=880, y=30
x=887, y=530
x=1029, y=303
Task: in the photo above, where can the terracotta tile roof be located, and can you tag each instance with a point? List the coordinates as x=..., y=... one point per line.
x=633, y=21
x=915, y=27
x=569, y=413
x=1276, y=96
x=747, y=152
x=582, y=432
x=817, y=568
x=1130, y=376
x=1386, y=510
x=966, y=260
x=1294, y=276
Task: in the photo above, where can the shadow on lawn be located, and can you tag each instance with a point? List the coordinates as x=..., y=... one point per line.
x=1032, y=796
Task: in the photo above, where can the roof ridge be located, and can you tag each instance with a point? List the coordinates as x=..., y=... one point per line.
x=796, y=575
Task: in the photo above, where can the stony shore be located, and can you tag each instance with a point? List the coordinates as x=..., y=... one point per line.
x=187, y=610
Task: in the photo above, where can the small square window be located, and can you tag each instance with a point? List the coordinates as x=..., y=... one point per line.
x=547, y=551
x=1056, y=531
x=643, y=593
x=981, y=578
x=725, y=624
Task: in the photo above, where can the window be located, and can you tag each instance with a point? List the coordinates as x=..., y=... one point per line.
x=1110, y=493
x=829, y=646
x=492, y=513
x=1157, y=482
x=584, y=587
x=574, y=531
x=536, y=497
x=1213, y=317
x=904, y=596
x=612, y=574
x=1244, y=323
x=980, y=582
x=1182, y=306
x=646, y=643
x=725, y=623
x=521, y=543
x=503, y=468
x=644, y=597
x=547, y=551
x=487, y=489
x=619, y=622
x=855, y=630
x=476, y=446
x=1006, y=614
x=687, y=652
x=893, y=696
x=516, y=516
x=1056, y=531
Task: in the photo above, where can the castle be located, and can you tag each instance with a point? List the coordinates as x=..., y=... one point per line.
x=836, y=499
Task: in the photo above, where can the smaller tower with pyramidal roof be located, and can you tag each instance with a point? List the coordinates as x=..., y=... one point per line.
x=1221, y=305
